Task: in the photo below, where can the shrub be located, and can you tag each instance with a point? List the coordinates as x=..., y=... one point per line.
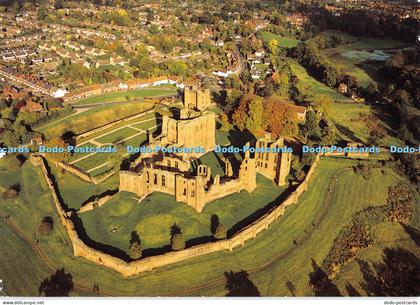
x=12, y=192
x=177, y=242
x=221, y=231
x=46, y=226
x=135, y=250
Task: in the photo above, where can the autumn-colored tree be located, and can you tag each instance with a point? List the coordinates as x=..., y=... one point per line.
x=249, y=114
x=280, y=118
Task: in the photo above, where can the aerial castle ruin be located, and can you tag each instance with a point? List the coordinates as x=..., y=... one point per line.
x=175, y=174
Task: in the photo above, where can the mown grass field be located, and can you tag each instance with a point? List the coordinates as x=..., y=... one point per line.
x=283, y=41
x=118, y=125
x=129, y=95
x=271, y=259
x=117, y=136
x=154, y=216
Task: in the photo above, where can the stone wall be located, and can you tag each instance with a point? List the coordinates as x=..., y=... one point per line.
x=97, y=203
x=75, y=171
x=80, y=249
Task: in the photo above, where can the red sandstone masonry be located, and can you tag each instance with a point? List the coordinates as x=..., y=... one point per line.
x=147, y=264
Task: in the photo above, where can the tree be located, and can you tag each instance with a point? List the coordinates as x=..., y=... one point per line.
x=273, y=47
x=135, y=250
x=320, y=283
x=255, y=114
x=279, y=117
x=328, y=136
x=57, y=285
x=311, y=127
x=220, y=232
x=46, y=226
x=396, y=275
x=177, y=242
x=238, y=284
x=249, y=114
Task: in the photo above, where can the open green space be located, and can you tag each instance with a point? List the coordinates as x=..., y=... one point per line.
x=146, y=125
x=136, y=141
x=93, y=161
x=271, y=259
x=283, y=41
x=313, y=89
x=117, y=136
x=214, y=162
x=350, y=126
x=153, y=217
x=349, y=57
x=93, y=118
x=76, y=191
x=126, y=96
x=115, y=126
x=386, y=235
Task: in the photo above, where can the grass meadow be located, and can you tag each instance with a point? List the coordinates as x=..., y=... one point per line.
x=271, y=259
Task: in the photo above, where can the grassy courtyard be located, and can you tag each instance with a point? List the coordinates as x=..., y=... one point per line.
x=154, y=216
x=271, y=259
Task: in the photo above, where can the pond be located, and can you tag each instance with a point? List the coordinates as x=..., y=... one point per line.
x=362, y=55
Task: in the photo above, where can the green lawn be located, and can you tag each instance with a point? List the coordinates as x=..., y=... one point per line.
x=271, y=259
x=93, y=161
x=283, y=41
x=75, y=191
x=154, y=216
x=129, y=95
x=146, y=125
x=118, y=135
x=93, y=118
x=136, y=141
x=346, y=116
x=120, y=124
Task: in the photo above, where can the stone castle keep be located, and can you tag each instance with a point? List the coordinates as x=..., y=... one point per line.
x=173, y=174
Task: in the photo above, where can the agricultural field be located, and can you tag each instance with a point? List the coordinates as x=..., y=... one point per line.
x=315, y=222
x=126, y=96
x=284, y=42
